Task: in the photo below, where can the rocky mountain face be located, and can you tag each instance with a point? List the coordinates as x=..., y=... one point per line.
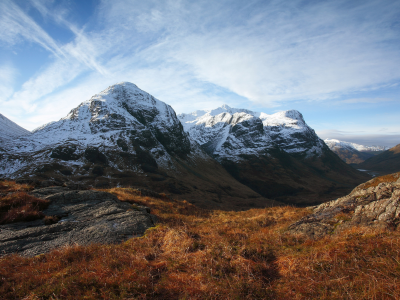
x=353, y=153
x=384, y=163
x=278, y=155
x=124, y=136
x=375, y=203
x=10, y=130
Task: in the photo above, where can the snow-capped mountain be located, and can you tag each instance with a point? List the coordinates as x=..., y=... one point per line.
x=122, y=117
x=226, y=158
x=229, y=132
x=277, y=155
x=124, y=136
x=333, y=143
x=10, y=130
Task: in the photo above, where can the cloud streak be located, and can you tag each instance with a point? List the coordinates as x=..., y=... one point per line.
x=199, y=54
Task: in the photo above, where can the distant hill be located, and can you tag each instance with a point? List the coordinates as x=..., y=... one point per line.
x=385, y=163
x=353, y=153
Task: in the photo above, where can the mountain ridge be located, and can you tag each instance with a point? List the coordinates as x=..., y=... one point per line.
x=353, y=153
x=225, y=158
x=10, y=130
x=271, y=153
x=124, y=136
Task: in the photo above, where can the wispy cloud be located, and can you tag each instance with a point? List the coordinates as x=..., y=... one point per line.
x=271, y=52
x=16, y=25
x=7, y=77
x=364, y=100
x=198, y=54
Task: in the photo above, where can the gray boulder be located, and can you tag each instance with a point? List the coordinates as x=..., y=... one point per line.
x=369, y=204
x=82, y=217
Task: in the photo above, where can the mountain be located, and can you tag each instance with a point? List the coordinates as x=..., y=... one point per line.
x=353, y=153
x=385, y=163
x=10, y=130
x=332, y=143
x=348, y=151
x=277, y=155
x=123, y=136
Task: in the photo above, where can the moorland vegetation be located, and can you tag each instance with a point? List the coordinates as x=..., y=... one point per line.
x=195, y=253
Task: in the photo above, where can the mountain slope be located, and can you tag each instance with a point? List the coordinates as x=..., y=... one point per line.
x=10, y=130
x=278, y=155
x=348, y=151
x=384, y=163
x=353, y=153
x=124, y=136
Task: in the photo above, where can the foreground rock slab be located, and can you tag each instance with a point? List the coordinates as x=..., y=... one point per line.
x=370, y=204
x=83, y=218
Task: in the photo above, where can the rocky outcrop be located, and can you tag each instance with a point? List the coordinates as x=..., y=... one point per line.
x=75, y=217
x=375, y=203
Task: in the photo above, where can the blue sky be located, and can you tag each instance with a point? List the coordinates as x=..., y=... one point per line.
x=337, y=62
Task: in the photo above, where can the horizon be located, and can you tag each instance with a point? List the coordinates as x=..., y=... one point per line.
x=335, y=62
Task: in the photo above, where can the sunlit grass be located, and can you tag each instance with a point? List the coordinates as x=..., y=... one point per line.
x=16, y=205
x=197, y=254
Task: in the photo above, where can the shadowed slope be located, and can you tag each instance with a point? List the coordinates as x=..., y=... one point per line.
x=385, y=163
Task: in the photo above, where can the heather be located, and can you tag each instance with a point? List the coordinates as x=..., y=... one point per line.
x=200, y=254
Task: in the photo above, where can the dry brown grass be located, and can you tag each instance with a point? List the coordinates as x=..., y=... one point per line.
x=16, y=205
x=199, y=254
x=376, y=181
x=7, y=186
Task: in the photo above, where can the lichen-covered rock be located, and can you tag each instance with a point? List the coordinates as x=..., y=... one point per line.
x=84, y=217
x=374, y=203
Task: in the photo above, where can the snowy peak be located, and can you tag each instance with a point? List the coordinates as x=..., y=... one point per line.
x=10, y=130
x=120, y=118
x=229, y=132
x=288, y=118
x=224, y=109
x=336, y=144
x=119, y=107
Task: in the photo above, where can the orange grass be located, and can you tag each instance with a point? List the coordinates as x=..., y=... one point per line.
x=16, y=205
x=7, y=186
x=199, y=254
x=376, y=181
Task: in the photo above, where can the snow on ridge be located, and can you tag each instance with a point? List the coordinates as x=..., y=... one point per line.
x=95, y=120
x=10, y=130
x=334, y=143
x=122, y=113
x=213, y=128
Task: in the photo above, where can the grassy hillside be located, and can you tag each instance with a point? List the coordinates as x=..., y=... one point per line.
x=201, y=254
